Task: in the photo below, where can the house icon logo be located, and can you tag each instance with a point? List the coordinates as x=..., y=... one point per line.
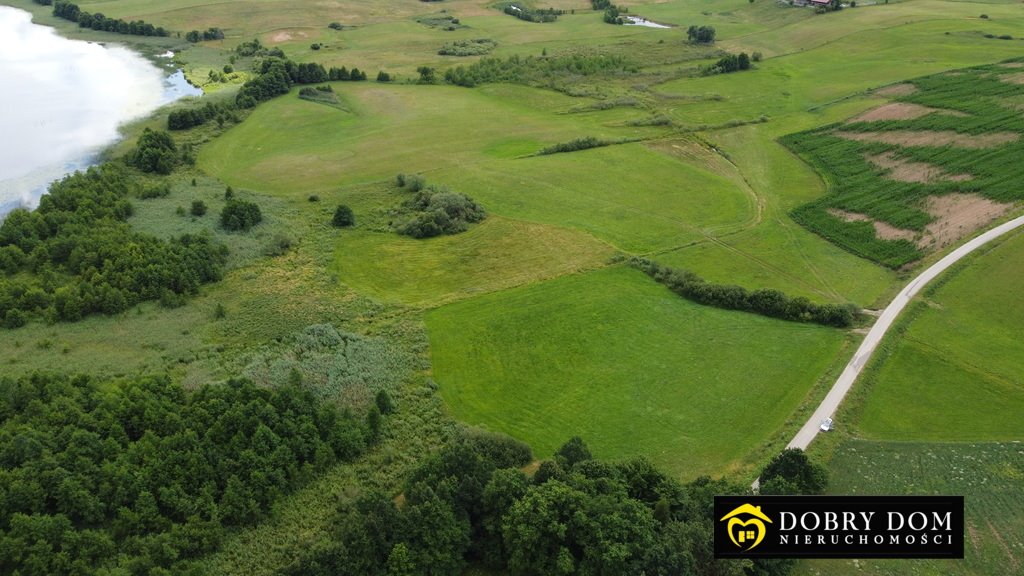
x=746, y=526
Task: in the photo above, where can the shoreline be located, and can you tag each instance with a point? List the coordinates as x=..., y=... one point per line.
x=74, y=138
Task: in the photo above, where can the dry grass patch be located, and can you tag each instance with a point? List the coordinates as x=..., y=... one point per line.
x=1012, y=65
x=958, y=215
x=896, y=90
x=903, y=170
x=1016, y=78
x=900, y=111
x=883, y=230
x=932, y=138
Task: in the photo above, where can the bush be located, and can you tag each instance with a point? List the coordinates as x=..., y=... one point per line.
x=435, y=211
x=343, y=217
x=155, y=152
x=335, y=26
x=239, y=215
x=198, y=208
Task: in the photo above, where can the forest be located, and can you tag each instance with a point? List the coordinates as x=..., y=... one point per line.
x=141, y=476
x=75, y=255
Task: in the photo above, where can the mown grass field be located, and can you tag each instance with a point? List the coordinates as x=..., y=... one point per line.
x=990, y=476
x=955, y=371
x=628, y=366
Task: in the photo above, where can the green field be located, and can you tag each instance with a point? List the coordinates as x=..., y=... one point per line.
x=990, y=476
x=629, y=366
x=524, y=323
x=954, y=373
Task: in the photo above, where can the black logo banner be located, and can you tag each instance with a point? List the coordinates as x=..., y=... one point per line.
x=839, y=526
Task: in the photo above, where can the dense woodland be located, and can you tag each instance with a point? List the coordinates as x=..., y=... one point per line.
x=471, y=503
x=142, y=476
x=75, y=255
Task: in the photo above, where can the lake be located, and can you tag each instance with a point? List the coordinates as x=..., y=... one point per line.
x=63, y=101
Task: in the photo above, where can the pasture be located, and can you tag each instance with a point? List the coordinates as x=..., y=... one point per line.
x=627, y=365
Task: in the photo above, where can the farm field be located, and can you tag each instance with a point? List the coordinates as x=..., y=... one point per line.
x=990, y=476
x=627, y=365
x=953, y=373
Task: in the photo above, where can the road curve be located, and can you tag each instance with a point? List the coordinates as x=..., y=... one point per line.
x=831, y=402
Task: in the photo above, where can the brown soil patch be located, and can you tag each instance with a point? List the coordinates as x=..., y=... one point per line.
x=1016, y=78
x=900, y=111
x=958, y=215
x=896, y=90
x=882, y=230
x=908, y=171
x=1012, y=65
x=281, y=37
x=932, y=138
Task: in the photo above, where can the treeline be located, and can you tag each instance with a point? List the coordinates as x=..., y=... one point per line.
x=585, y=143
x=470, y=504
x=277, y=75
x=75, y=255
x=139, y=477
x=208, y=34
x=433, y=210
x=187, y=118
x=766, y=302
x=533, y=14
x=71, y=12
x=516, y=69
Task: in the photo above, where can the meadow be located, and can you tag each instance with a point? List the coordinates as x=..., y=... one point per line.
x=953, y=372
x=627, y=365
x=990, y=476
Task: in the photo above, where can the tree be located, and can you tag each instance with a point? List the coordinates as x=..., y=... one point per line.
x=427, y=75
x=384, y=402
x=573, y=451
x=198, y=208
x=155, y=152
x=343, y=217
x=701, y=34
x=793, y=466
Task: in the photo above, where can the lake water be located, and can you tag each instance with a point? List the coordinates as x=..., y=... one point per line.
x=62, y=103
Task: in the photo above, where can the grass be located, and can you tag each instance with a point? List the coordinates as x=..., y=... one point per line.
x=627, y=365
x=990, y=476
x=498, y=253
x=954, y=371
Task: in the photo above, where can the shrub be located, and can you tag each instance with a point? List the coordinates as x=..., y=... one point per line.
x=335, y=26
x=155, y=152
x=239, y=215
x=343, y=217
x=434, y=211
x=198, y=208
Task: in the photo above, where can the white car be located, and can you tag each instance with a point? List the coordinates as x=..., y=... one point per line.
x=826, y=424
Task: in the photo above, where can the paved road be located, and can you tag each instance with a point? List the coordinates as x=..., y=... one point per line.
x=860, y=358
